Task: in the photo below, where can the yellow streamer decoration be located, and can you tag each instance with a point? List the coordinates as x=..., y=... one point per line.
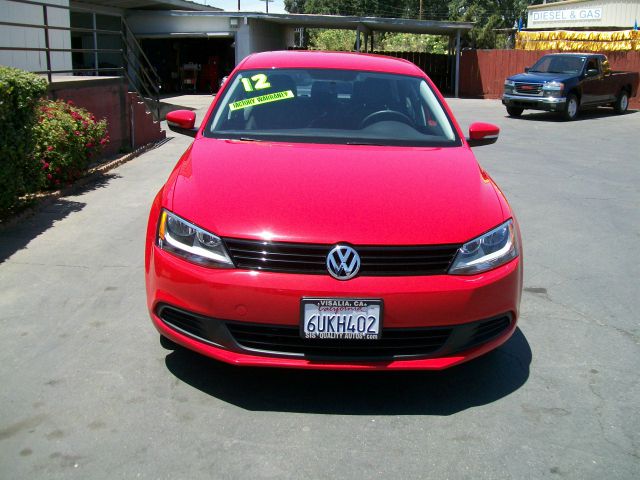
x=570, y=41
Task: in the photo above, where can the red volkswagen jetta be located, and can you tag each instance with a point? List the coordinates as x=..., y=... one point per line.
x=330, y=214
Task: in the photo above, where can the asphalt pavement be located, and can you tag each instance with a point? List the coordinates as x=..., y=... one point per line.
x=87, y=391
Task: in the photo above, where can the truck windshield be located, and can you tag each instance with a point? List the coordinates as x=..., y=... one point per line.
x=331, y=106
x=559, y=64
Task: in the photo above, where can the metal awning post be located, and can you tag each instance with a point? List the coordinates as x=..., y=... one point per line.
x=45, y=18
x=457, y=83
x=95, y=43
x=450, y=64
x=361, y=29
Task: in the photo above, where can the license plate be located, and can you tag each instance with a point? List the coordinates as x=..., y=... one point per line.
x=341, y=318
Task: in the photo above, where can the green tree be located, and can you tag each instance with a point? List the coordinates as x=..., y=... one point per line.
x=294, y=6
x=376, y=8
x=488, y=16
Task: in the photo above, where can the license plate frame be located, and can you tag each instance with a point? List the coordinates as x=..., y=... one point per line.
x=356, y=307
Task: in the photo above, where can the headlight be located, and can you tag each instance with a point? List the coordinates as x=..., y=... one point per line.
x=488, y=251
x=509, y=83
x=553, y=86
x=192, y=243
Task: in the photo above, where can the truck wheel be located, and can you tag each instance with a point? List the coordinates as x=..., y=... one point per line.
x=515, y=111
x=571, y=107
x=622, y=102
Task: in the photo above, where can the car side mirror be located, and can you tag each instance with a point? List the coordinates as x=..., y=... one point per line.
x=182, y=121
x=481, y=133
x=526, y=69
x=592, y=72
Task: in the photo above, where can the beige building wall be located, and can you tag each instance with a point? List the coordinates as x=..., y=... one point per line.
x=34, y=37
x=597, y=14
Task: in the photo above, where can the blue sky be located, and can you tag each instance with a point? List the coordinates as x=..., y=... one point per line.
x=277, y=6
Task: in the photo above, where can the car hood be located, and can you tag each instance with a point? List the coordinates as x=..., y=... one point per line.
x=541, y=77
x=335, y=193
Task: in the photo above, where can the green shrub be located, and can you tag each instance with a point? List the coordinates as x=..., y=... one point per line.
x=20, y=92
x=409, y=42
x=67, y=138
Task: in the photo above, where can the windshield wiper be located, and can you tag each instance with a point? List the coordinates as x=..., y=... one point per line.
x=366, y=143
x=248, y=139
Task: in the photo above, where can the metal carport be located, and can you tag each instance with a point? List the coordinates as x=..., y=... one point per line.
x=255, y=32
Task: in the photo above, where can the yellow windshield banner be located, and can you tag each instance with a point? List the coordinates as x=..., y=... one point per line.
x=570, y=41
x=268, y=98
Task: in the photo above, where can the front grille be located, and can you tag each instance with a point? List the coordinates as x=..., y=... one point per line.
x=312, y=258
x=529, y=88
x=393, y=343
x=188, y=323
x=488, y=330
x=286, y=340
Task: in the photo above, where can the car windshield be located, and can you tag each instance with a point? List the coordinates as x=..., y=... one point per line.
x=559, y=64
x=331, y=106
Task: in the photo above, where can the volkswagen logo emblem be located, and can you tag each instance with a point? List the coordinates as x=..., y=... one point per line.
x=343, y=262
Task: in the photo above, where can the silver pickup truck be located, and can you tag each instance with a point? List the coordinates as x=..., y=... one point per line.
x=568, y=82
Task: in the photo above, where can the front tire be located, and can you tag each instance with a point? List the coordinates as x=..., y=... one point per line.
x=515, y=111
x=571, y=108
x=622, y=102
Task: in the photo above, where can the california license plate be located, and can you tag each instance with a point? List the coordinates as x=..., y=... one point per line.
x=341, y=318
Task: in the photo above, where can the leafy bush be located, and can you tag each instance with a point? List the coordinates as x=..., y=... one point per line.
x=67, y=138
x=345, y=40
x=20, y=92
x=335, y=40
x=409, y=42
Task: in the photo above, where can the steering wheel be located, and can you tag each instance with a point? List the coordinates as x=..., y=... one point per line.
x=394, y=114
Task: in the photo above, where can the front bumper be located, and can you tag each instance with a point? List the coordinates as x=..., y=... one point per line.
x=532, y=102
x=221, y=297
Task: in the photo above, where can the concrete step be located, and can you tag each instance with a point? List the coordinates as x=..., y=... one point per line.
x=146, y=127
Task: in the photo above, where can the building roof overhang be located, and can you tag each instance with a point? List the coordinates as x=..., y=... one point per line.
x=148, y=5
x=403, y=25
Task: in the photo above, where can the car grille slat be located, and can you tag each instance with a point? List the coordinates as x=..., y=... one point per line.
x=488, y=330
x=528, y=88
x=311, y=258
x=405, y=264
x=277, y=255
x=184, y=321
x=247, y=258
x=409, y=258
x=280, y=342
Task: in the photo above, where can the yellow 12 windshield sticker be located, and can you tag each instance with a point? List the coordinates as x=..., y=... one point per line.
x=268, y=98
x=260, y=83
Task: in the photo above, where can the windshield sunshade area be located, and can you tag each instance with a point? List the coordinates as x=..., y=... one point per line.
x=331, y=106
x=558, y=64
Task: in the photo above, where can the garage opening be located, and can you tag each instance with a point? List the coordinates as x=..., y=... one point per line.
x=190, y=64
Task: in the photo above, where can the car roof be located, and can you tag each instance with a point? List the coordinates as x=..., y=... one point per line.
x=574, y=54
x=329, y=60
